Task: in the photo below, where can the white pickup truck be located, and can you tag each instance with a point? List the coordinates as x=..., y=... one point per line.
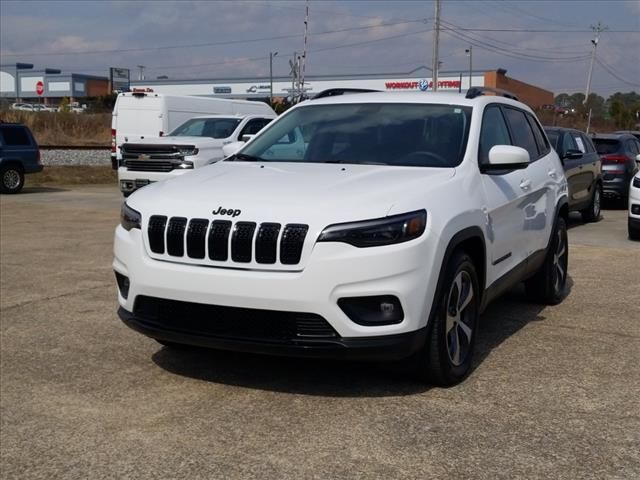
x=195, y=143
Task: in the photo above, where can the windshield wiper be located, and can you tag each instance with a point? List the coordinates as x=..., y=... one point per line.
x=243, y=157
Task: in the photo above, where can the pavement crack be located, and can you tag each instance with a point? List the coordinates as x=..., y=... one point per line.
x=54, y=297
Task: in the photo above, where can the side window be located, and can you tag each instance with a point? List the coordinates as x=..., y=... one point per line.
x=494, y=132
x=541, y=141
x=587, y=143
x=632, y=147
x=578, y=139
x=15, y=136
x=253, y=126
x=521, y=131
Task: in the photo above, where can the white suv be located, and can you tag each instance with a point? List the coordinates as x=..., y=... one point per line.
x=381, y=234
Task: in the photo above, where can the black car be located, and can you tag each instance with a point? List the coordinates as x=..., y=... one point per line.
x=19, y=154
x=583, y=170
x=619, y=152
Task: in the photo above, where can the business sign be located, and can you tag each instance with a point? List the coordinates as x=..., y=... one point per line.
x=40, y=88
x=119, y=78
x=422, y=85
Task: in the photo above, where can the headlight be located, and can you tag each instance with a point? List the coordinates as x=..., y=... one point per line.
x=381, y=231
x=129, y=218
x=188, y=150
x=636, y=182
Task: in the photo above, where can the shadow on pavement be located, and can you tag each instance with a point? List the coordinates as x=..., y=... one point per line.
x=332, y=378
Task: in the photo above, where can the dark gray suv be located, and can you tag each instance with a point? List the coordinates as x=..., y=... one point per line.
x=619, y=153
x=19, y=154
x=583, y=169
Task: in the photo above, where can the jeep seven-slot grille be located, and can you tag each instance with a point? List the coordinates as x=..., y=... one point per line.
x=231, y=322
x=225, y=240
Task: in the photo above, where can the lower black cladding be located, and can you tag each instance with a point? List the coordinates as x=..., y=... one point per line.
x=261, y=331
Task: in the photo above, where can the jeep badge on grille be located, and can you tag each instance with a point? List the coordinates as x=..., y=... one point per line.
x=227, y=211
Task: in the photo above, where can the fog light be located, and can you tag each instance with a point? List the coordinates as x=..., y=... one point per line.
x=123, y=285
x=374, y=310
x=635, y=209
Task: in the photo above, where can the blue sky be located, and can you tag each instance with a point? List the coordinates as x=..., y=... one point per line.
x=346, y=37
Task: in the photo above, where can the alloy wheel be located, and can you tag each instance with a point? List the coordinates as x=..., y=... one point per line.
x=459, y=325
x=560, y=261
x=11, y=179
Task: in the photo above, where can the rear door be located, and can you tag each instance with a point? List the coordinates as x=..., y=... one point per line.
x=536, y=186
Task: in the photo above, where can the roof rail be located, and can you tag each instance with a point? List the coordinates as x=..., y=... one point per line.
x=333, y=92
x=474, y=92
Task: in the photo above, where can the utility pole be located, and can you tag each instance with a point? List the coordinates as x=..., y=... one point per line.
x=271, y=55
x=436, y=39
x=469, y=51
x=141, y=72
x=599, y=28
x=303, y=62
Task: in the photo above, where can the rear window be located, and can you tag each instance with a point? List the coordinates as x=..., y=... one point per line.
x=604, y=146
x=15, y=136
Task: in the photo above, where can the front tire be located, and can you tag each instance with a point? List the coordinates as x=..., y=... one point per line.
x=592, y=212
x=548, y=285
x=634, y=232
x=11, y=179
x=445, y=359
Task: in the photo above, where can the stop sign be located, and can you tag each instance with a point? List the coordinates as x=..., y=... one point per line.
x=40, y=87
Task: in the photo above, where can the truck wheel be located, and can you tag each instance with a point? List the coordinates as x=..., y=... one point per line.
x=445, y=360
x=548, y=285
x=11, y=179
x=592, y=212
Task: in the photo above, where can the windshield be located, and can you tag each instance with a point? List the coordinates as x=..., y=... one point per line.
x=604, y=146
x=417, y=135
x=207, y=127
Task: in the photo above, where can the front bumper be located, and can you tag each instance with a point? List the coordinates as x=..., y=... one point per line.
x=384, y=347
x=332, y=271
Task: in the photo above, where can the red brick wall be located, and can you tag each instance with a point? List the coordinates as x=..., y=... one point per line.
x=533, y=96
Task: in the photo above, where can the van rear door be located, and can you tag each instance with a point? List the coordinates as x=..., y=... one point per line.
x=138, y=117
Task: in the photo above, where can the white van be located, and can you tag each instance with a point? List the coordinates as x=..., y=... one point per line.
x=143, y=114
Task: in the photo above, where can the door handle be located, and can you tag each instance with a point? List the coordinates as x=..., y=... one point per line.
x=552, y=173
x=525, y=184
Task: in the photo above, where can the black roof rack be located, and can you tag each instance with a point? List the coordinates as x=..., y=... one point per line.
x=333, y=92
x=474, y=92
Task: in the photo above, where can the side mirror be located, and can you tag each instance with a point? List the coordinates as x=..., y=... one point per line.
x=246, y=137
x=572, y=154
x=231, y=148
x=506, y=157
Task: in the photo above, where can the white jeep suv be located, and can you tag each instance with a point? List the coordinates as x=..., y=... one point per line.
x=382, y=235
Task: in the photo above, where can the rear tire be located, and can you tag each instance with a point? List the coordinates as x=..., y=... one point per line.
x=592, y=212
x=11, y=179
x=445, y=359
x=548, y=285
x=634, y=232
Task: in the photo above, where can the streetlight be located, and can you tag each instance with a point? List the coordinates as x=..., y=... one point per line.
x=469, y=51
x=271, y=55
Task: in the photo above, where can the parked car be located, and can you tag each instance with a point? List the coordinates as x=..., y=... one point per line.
x=19, y=154
x=194, y=144
x=634, y=207
x=25, y=107
x=635, y=133
x=144, y=115
x=618, y=153
x=583, y=169
x=384, y=238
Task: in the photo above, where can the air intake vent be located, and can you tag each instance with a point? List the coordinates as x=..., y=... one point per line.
x=292, y=242
x=175, y=236
x=219, y=240
x=157, y=225
x=242, y=241
x=267, y=243
x=196, y=235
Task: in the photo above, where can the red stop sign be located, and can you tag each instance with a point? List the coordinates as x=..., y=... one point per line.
x=40, y=87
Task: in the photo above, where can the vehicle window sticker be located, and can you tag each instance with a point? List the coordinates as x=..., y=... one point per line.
x=580, y=144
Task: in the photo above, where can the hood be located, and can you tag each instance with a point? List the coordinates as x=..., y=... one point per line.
x=180, y=140
x=289, y=192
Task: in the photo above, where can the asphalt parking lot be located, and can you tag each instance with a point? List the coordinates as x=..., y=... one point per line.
x=554, y=392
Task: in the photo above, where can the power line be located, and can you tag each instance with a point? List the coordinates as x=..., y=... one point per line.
x=211, y=44
x=611, y=72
